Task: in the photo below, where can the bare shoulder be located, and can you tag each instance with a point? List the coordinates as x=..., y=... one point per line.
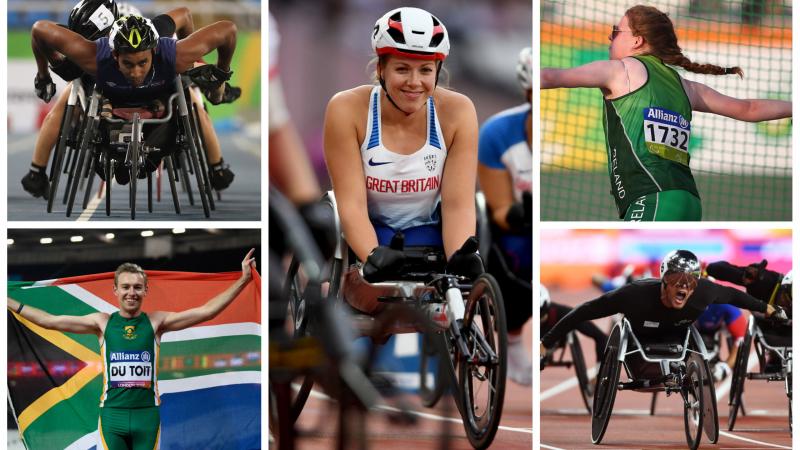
x=453, y=107
x=351, y=100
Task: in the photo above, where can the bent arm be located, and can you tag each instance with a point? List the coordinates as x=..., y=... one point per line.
x=175, y=321
x=343, y=157
x=598, y=74
x=458, y=180
x=705, y=99
x=182, y=17
x=725, y=271
x=497, y=187
x=219, y=36
x=47, y=36
x=88, y=324
x=595, y=309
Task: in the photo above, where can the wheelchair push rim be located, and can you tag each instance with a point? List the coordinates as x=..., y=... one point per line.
x=737, y=379
x=693, y=408
x=482, y=384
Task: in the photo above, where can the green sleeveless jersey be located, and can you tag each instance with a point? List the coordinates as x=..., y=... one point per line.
x=647, y=137
x=130, y=356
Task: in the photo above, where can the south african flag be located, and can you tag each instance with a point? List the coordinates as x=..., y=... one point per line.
x=209, y=374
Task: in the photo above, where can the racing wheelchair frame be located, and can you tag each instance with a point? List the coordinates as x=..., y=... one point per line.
x=555, y=357
x=680, y=367
x=470, y=354
x=79, y=149
x=756, y=336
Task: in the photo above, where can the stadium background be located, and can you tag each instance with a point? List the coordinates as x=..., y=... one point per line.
x=742, y=170
x=87, y=251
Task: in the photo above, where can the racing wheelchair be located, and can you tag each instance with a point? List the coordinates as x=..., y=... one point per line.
x=555, y=357
x=767, y=345
x=469, y=351
x=675, y=367
x=82, y=148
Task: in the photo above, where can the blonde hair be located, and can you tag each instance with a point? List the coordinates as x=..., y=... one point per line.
x=129, y=268
x=658, y=31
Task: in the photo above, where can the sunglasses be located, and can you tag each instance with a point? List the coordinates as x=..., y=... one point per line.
x=681, y=279
x=615, y=31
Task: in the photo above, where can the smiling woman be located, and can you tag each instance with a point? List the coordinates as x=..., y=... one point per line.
x=386, y=145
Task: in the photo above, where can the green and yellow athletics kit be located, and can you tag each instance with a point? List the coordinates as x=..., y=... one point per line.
x=647, y=138
x=129, y=416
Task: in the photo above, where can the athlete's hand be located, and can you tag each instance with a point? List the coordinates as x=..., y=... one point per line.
x=44, y=87
x=382, y=263
x=777, y=313
x=466, y=261
x=247, y=265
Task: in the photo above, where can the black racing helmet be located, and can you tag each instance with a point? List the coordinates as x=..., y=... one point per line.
x=93, y=18
x=132, y=34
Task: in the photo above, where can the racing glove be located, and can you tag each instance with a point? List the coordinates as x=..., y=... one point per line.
x=779, y=315
x=44, y=87
x=383, y=263
x=466, y=261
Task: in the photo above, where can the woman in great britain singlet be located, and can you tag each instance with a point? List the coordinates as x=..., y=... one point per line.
x=647, y=114
x=402, y=153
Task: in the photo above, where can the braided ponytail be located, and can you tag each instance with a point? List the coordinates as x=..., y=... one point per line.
x=657, y=30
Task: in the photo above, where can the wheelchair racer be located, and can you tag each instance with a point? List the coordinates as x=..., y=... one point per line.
x=135, y=67
x=505, y=176
x=551, y=313
x=768, y=286
x=402, y=154
x=660, y=310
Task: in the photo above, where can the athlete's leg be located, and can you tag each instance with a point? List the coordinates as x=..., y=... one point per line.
x=113, y=429
x=146, y=428
x=35, y=181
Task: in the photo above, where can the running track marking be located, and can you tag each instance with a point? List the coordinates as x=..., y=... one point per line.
x=549, y=446
x=91, y=207
x=564, y=385
x=320, y=395
x=753, y=441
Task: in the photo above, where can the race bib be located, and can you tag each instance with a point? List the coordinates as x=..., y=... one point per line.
x=102, y=18
x=666, y=134
x=130, y=369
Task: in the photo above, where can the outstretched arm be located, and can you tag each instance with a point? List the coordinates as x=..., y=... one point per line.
x=174, y=321
x=88, y=324
x=598, y=74
x=220, y=36
x=705, y=99
x=47, y=36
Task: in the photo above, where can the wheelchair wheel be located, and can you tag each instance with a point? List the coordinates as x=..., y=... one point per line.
x=606, y=386
x=172, y=187
x=87, y=193
x=109, y=171
x=693, y=408
x=135, y=155
x=737, y=380
x=66, y=130
x=482, y=385
x=585, y=385
x=197, y=131
x=432, y=375
x=78, y=164
x=193, y=156
x=710, y=415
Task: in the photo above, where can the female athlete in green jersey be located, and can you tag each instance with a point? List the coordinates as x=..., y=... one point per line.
x=648, y=112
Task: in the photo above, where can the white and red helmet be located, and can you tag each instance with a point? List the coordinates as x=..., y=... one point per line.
x=411, y=32
x=525, y=68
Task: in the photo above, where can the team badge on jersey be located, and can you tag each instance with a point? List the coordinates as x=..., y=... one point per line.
x=129, y=332
x=430, y=162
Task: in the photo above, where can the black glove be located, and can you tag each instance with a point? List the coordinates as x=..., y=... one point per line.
x=383, y=263
x=231, y=94
x=44, y=87
x=466, y=261
x=520, y=216
x=779, y=315
x=754, y=272
x=209, y=78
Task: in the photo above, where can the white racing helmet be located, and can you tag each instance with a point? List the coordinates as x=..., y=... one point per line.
x=544, y=297
x=525, y=68
x=411, y=32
